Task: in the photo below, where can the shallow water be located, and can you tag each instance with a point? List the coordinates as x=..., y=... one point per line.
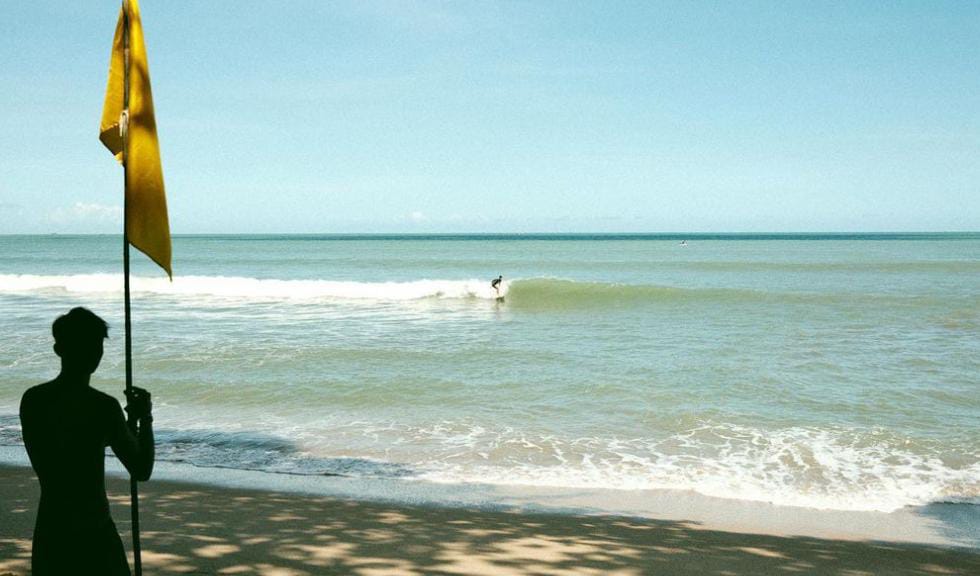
x=834, y=372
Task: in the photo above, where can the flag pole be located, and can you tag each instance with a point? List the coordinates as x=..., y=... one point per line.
x=132, y=420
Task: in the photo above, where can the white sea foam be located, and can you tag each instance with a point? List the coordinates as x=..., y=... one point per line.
x=236, y=287
x=814, y=468
x=832, y=469
x=806, y=467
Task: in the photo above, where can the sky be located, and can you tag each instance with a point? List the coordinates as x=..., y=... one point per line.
x=384, y=116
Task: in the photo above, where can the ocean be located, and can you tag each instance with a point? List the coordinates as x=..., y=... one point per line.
x=839, y=372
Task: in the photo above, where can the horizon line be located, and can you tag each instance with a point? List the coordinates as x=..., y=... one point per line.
x=407, y=235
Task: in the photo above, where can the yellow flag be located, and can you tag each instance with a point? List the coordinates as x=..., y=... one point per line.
x=147, y=225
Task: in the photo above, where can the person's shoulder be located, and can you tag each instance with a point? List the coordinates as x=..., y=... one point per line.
x=37, y=390
x=34, y=396
x=106, y=405
x=102, y=398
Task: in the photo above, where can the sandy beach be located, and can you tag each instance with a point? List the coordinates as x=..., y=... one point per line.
x=198, y=529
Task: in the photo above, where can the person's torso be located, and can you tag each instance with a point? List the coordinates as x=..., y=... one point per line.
x=69, y=440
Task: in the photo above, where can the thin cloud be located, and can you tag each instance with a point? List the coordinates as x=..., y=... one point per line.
x=90, y=213
x=11, y=207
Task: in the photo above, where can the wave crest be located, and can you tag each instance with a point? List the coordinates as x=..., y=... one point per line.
x=237, y=287
x=531, y=294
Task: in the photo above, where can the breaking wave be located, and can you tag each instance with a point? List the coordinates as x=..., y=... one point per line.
x=244, y=288
x=836, y=469
x=531, y=293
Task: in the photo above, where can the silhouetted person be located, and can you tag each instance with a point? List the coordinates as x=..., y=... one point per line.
x=495, y=284
x=66, y=426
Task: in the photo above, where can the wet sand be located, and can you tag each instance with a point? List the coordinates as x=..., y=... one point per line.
x=199, y=529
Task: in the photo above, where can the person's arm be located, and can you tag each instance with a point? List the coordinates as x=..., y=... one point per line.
x=28, y=430
x=136, y=452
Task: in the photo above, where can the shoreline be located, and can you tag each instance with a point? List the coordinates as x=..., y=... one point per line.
x=199, y=528
x=945, y=525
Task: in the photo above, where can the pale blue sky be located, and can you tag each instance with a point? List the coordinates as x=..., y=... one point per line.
x=370, y=116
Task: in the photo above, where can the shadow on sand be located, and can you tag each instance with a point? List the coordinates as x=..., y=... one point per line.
x=192, y=529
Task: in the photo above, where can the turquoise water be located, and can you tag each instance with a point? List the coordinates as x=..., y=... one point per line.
x=834, y=372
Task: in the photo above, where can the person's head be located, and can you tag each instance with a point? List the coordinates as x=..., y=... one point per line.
x=78, y=337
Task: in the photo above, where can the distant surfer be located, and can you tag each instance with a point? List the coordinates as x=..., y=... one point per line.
x=495, y=284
